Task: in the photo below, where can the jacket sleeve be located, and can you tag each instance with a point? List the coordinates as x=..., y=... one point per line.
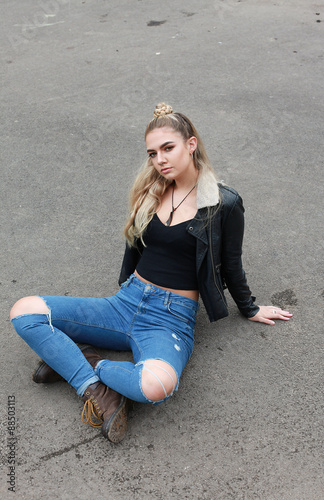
x=131, y=257
x=232, y=269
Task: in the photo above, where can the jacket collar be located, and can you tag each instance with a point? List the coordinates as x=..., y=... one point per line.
x=207, y=190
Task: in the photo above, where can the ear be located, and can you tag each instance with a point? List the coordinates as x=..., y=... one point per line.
x=192, y=144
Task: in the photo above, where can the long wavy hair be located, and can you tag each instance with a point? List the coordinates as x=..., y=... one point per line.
x=149, y=185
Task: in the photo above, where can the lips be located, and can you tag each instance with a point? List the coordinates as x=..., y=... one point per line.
x=165, y=170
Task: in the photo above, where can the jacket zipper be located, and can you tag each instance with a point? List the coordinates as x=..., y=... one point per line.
x=212, y=261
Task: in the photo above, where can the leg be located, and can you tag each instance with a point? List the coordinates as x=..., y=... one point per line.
x=158, y=380
x=161, y=341
x=29, y=305
x=150, y=381
x=32, y=319
x=52, y=325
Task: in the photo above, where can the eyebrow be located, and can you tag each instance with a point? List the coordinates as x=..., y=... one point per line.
x=162, y=146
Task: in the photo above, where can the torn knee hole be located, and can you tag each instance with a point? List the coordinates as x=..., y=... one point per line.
x=159, y=380
x=29, y=305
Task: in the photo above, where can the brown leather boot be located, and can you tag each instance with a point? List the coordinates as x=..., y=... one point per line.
x=109, y=410
x=44, y=374
x=91, y=355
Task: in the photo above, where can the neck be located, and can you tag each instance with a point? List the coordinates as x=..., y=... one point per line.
x=186, y=182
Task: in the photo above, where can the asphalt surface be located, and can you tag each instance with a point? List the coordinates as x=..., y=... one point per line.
x=79, y=82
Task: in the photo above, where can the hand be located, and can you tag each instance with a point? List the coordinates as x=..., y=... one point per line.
x=267, y=313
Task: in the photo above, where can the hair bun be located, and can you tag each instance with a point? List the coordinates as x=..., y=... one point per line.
x=162, y=109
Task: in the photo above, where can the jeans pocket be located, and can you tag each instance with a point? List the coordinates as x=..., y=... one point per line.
x=181, y=312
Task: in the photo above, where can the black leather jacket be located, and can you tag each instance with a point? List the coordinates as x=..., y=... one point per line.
x=218, y=257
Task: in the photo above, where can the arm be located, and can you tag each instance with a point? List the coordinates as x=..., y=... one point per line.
x=131, y=257
x=233, y=230
x=231, y=258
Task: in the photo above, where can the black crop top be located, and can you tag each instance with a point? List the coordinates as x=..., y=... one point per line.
x=169, y=257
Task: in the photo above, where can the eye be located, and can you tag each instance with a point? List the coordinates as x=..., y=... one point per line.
x=152, y=155
x=169, y=148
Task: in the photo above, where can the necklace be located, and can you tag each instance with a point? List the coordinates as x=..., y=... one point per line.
x=168, y=222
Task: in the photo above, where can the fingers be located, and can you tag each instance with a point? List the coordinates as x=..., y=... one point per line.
x=284, y=318
x=280, y=314
x=262, y=319
x=267, y=314
x=277, y=312
x=267, y=321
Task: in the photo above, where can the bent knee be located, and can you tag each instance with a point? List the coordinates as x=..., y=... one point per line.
x=159, y=380
x=29, y=305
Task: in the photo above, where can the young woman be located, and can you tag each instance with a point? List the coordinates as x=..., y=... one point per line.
x=184, y=239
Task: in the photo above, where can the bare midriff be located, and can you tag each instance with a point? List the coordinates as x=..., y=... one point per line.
x=191, y=294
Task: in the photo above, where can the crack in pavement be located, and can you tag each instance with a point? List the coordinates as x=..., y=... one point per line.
x=58, y=453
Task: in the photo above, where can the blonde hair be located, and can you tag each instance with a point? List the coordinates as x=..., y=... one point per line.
x=149, y=185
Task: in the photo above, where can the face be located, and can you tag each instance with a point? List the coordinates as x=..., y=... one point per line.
x=169, y=153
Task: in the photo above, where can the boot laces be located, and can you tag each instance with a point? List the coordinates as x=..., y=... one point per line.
x=90, y=410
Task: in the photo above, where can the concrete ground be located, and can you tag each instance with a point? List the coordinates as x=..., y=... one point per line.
x=80, y=79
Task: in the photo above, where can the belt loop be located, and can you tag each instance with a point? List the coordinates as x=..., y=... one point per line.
x=166, y=298
x=130, y=279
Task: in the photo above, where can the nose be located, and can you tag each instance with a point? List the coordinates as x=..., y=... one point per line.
x=160, y=158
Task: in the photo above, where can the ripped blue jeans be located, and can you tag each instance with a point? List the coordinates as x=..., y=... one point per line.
x=151, y=322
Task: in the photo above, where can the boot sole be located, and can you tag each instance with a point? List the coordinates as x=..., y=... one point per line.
x=115, y=428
